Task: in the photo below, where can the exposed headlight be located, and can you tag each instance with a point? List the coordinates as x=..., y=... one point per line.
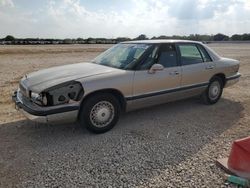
x=45, y=100
x=64, y=93
x=35, y=96
x=39, y=98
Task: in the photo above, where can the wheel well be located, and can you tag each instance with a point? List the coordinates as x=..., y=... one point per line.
x=114, y=92
x=222, y=77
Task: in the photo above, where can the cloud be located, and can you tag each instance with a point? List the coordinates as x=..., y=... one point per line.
x=199, y=9
x=6, y=3
x=71, y=15
x=71, y=18
x=247, y=5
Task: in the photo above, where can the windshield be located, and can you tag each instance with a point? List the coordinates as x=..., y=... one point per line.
x=122, y=56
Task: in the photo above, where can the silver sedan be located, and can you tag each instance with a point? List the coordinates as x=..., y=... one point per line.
x=128, y=76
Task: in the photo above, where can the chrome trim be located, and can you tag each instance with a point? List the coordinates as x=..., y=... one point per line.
x=231, y=80
x=18, y=96
x=102, y=114
x=65, y=117
x=151, y=94
x=23, y=89
x=238, y=75
x=34, y=109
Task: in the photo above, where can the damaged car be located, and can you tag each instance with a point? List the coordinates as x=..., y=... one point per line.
x=128, y=76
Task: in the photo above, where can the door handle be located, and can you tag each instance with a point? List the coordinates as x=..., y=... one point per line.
x=174, y=73
x=210, y=67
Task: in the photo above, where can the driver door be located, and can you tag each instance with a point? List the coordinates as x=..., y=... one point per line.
x=159, y=86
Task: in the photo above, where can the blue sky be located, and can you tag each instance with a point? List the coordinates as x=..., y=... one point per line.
x=114, y=18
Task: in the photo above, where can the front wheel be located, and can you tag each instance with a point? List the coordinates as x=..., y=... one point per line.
x=213, y=91
x=100, y=113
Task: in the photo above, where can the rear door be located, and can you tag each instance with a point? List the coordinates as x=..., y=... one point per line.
x=210, y=65
x=197, y=66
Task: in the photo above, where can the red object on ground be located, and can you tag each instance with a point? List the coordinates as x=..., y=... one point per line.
x=239, y=158
x=238, y=162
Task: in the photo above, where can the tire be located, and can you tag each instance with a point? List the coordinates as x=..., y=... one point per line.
x=213, y=92
x=100, y=113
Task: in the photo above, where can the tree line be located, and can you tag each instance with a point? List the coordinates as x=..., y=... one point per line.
x=197, y=37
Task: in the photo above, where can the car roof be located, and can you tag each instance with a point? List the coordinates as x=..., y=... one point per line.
x=160, y=41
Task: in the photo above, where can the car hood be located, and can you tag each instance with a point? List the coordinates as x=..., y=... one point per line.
x=46, y=78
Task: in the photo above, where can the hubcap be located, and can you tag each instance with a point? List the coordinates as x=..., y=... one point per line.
x=214, y=90
x=102, y=114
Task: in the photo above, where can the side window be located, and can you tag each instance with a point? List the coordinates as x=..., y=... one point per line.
x=167, y=56
x=190, y=54
x=150, y=59
x=204, y=54
x=138, y=53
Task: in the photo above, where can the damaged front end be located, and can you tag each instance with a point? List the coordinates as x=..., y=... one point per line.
x=59, y=103
x=68, y=92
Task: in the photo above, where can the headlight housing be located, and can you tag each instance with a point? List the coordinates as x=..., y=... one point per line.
x=39, y=98
x=63, y=93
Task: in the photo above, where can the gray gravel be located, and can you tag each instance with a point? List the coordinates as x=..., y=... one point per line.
x=172, y=145
x=151, y=147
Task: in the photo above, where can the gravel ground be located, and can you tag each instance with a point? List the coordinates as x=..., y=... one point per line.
x=171, y=145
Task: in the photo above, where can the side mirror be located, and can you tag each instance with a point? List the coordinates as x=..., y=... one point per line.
x=155, y=68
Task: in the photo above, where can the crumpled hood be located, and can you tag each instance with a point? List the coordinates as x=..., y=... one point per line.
x=46, y=78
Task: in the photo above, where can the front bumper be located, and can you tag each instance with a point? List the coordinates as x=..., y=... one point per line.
x=55, y=114
x=232, y=79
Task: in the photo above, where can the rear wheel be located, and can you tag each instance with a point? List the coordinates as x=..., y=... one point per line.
x=100, y=113
x=213, y=91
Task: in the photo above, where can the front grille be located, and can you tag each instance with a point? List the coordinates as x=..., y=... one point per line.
x=23, y=89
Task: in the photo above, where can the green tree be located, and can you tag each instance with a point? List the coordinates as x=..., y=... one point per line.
x=221, y=37
x=236, y=37
x=80, y=39
x=9, y=38
x=141, y=37
x=246, y=36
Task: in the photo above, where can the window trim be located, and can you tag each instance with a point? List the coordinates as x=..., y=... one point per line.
x=145, y=55
x=136, y=67
x=200, y=46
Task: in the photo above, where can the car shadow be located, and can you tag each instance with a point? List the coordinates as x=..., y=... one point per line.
x=143, y=141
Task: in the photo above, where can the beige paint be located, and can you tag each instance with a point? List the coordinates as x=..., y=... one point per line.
x=135, y=83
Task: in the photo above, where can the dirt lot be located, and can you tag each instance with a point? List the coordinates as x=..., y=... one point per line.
x=171, y=145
